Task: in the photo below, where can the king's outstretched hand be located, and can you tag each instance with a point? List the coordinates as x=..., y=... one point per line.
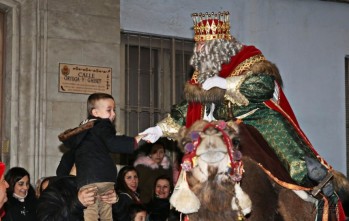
x=152, y=134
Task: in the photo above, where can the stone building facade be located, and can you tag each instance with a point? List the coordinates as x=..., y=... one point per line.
x=38, y=35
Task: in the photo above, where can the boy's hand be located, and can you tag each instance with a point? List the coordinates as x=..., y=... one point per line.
x=139, y=137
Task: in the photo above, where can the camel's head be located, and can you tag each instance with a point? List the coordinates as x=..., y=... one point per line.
x=210, y=144
x=211, y=169
x=212, y=148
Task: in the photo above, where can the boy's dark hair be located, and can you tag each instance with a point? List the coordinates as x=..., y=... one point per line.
x=134, y=209
x=93, y=98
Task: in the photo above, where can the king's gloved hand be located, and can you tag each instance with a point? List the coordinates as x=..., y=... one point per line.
x=152, y=134
x=214, y=81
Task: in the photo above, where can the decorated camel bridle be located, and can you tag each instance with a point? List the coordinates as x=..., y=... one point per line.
x=235, y=167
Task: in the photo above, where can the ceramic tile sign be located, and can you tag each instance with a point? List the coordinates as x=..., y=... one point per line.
x=83, y=79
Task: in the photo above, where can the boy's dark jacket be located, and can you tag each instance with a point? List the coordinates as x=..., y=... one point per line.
x=92, y=143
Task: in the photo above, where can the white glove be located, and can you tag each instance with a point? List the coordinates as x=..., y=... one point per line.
x=214, y=81
x=152, y=134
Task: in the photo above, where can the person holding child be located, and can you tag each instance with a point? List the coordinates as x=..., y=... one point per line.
x=61, y=200
x=92, y=142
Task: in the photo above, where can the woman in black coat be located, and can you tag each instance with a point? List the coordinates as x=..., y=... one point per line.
x=159, y=208
x=21, y=204
x=127, y=189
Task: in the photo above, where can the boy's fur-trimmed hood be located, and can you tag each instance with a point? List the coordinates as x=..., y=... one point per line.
x=148, y=162
x=72, y=138
x=77, y=130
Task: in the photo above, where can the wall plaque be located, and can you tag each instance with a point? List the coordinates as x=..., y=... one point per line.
x=83, y=79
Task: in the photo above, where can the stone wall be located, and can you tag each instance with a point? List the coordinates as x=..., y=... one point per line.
x=40, y=35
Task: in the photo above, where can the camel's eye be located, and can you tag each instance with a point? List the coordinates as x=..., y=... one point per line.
x=236, y=141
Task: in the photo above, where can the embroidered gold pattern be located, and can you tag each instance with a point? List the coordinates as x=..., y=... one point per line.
x=169, y=127
x=232, y=93
x=246, y=64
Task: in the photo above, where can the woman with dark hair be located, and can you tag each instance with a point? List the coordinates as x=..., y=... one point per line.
x=159, y=208
x=22, y=203
x=127, y=189
x=150, y=164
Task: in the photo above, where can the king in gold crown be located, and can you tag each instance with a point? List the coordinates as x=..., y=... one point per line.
x=210, y=26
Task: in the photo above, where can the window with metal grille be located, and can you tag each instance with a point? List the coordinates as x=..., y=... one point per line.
x=155, y=71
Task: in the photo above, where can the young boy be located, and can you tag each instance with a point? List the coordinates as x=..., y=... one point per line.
x=92, y=142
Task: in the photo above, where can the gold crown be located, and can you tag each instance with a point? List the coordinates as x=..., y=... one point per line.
x=210, y=26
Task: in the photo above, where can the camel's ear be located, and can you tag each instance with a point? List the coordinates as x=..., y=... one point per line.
x=232, y=129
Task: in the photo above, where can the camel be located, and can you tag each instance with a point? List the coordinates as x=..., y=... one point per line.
x=222, y=180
